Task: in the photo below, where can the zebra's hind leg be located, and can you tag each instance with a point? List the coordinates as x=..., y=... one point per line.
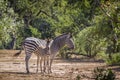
x=26, y=60
x=38, y=58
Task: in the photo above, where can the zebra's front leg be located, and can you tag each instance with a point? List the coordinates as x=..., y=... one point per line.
x=26, y=60
x=51, y=60
x=47, y=64
x=44, y=66
x=38, y=58
x=51, y=57
x=41, y=60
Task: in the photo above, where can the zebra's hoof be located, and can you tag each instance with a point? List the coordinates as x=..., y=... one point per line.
x=42, y=72
x=37, y=71
x=28, y=72
x=49, y=72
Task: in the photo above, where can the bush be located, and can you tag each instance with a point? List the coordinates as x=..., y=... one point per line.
x=103, y=74
x=115, y=59
x=78, y=77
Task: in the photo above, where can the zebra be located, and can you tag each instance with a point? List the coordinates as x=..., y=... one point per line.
x=39, y=47
x=44, y=53
x=57, y=43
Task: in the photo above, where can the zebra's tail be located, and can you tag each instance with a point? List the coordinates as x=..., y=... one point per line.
x=17, y=54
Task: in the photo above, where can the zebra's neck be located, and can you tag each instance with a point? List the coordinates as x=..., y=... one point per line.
x=56, y=45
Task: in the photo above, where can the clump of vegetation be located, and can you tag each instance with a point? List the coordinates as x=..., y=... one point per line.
x=115, y=60
x=103, y=74
x=78, y=77
x=92, y=34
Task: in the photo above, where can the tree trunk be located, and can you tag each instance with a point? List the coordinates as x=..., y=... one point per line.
x=12, y=44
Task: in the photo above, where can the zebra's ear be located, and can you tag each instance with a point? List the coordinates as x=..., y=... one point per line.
x=69, y=35
x=48, y=39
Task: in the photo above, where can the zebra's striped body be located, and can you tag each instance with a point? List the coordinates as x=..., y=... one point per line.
x=39, y=47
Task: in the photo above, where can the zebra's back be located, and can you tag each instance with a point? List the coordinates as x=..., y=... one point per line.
x=32, y=44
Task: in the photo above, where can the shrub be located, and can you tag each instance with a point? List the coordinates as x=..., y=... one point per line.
x=78, y=77
x=103, y=74
x=115, y=59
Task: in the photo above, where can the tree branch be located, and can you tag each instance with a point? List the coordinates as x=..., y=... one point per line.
x=90, y=56
x=52, y=16
x=103, y=9
x=106, y=12
x=43, y=13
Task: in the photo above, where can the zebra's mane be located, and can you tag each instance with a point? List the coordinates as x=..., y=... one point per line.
x=61, y=36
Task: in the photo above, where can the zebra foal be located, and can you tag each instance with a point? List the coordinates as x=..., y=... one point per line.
x=44, y=55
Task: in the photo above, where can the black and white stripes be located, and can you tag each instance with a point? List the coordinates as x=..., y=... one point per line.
x=39, y=47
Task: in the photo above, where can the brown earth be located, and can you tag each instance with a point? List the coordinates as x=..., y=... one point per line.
x=12, y=68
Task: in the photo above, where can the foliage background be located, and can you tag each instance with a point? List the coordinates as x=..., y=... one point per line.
x=95, y=24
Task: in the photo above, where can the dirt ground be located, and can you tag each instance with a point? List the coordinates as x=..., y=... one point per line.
x=12, y=68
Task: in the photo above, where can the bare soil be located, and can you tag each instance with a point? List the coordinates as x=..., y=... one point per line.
x=13, y=68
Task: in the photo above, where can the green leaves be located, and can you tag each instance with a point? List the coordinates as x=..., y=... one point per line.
x=104, y=74
x=35, y=32
x=8, y=24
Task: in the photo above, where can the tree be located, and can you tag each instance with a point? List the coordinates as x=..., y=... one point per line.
x=9, y=26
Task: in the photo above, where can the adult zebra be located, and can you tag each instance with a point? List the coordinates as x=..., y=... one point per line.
x=39, y=47
x=59, y=42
